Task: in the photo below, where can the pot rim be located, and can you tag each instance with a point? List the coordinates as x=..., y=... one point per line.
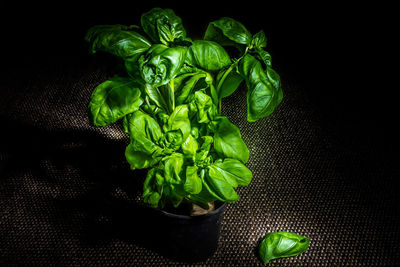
x=220, y=209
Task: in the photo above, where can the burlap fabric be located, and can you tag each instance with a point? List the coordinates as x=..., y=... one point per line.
x=65, y=186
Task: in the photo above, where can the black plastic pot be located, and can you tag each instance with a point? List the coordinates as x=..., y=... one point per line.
x=190, y=238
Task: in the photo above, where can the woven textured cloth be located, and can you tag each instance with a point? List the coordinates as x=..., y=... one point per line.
x=65, y=186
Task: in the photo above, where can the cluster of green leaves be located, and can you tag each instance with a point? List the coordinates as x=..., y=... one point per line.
x=170, y=103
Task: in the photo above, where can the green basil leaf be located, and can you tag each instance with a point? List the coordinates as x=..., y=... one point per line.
x=161, y=64
x=118, y=40
x=179, y=120
x=153, y=188
x=212, y=91
x=144, y=131
x=138, y=159
x=259, y=40
x=174, y=139
x=264, y=89
x=190, y=146
x=204, y=196
x=193, y=183
x=265, y=57
x=174, y=193
x=163, y=96
x=132, y=69
x=228, y=81
x=232, y=171
x=207, y=142
x=187, y=88
x=173, y=168
x=227, y=31
x=162, y=25
x=220, y=188
x=282, y=244
x=207, y=55
x=113, y=99
x=206, y=110
x=228, y=141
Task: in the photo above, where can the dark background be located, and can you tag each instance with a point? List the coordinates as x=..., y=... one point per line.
x=340, y=54
x=341, y=61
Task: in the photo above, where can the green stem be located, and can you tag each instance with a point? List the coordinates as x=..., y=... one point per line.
x=233, y=65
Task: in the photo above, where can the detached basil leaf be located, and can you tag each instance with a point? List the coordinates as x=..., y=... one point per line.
x=161, y=64
x=227, y=31
x=207, y=55
x=179, y=120
x=144, y=132
x=162, y=25
x=228, y=141
x=118, y=40
x=264, y=89
x=193, y=183
x=232, y=171
x=138, y=159
x=282, y=244
x=113, y=99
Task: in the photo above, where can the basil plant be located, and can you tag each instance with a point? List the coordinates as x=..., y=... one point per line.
x=170, y=103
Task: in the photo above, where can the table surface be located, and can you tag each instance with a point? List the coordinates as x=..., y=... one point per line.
x=65, y=185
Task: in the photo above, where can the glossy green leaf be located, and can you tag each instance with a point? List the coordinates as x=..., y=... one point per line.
x=163, y=96
x=211, y=89
x=264, y=89
x=162, y=25
x=113, y=99
x=179, y=120
x=227, y=31
x=144, y=132
x=174, y=193
x=207, y=142
x=220, y=188
x=153, y=188
x=259, y=40
x=193, y=183
x=204, y=196
x=173, y=168
x=206, y=110
x=190, y=146
x=173, y=139
x=264, y=57
x=119, y=40
x=228, y=141
x=138, y=159
x=187, y=87
x=161, y=64
x=228, y=81
x=282, y=244
x=207, y=55
x=232, y=171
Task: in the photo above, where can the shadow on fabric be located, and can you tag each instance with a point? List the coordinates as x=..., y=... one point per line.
x=82, y=183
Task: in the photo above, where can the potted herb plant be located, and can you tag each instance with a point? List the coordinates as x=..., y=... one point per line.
x=170, y=104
